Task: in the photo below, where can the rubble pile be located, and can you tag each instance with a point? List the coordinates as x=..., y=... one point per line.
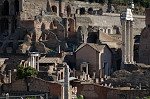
x=136, y=79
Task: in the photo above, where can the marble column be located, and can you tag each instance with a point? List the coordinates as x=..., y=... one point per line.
x=131, y=43
x=127, y=41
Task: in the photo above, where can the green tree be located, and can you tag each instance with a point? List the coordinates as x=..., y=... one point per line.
x=23, y=72
x=80, y=97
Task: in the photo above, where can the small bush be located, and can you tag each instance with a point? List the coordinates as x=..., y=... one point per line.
x=23, y=72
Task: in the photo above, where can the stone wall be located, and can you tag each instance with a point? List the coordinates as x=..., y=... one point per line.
x=144, y=46
x=108, y=21
x=31, y=8
x=94, y=91
x=33, y=85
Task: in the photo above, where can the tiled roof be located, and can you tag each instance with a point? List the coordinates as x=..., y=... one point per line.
x=49, y=60
x=108, y=38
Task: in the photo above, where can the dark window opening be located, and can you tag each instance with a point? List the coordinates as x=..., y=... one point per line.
x=90, y=10
x=4, y=26
x=43, y=27
x=84, y=69
x=1, y=43
x=16, y=7
x=92, y=37
x=68, y=11
x=148, y=25
x=116, y=30
x=54, y=9
x=82, y=11
x=5, y=10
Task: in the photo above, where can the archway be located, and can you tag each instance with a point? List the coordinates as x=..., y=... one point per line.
x=82, y=11
x=93, y=37
x=68, y=10
x=16, y=6
x=5, y=10
x=90, y=10
x=116, y=30
x=54, y=9
x=4, y=26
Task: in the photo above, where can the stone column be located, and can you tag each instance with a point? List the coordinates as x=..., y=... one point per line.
x=33, y=62
x=124, y=42
x=127, y=45
x=38, y=63
x=131, y=43
x=127, y=37
x=66, y=82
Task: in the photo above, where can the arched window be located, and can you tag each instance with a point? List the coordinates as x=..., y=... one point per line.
x=90, y=10
x=82, y=11
x=5, y=9
x=54, y=9
x=92, y=37
x=4, y=26
x=16, y=6
x=109, y=31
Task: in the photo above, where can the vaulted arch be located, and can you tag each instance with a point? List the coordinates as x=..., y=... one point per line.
x=90, y=10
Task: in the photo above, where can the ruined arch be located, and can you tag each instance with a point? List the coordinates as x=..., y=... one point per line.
x=82, y=11
x=68, y=10
x=90, y=10
x=5, y=9
x=16, y=6
x=4, y=26
x=54, y=9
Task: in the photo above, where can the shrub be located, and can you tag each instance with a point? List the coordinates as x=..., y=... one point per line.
x=23, y=72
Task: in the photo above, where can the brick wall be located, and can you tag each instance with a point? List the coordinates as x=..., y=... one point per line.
x=33, y=85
